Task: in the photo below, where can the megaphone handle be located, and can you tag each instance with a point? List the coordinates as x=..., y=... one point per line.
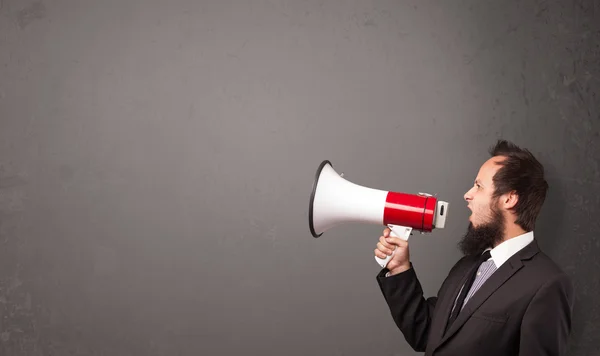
x=402, y=232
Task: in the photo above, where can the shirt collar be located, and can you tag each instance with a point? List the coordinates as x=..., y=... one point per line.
x=508, y=248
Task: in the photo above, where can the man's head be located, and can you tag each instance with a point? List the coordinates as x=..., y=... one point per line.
x=507, y=196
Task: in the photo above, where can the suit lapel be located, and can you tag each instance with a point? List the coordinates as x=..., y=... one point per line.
x=494, y=282
x=497, y=279
x=446, y=303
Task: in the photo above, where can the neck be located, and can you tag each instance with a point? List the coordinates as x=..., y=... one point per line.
x=510, y=232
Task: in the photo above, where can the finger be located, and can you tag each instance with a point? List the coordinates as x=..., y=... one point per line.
x=386, y=232
x=383, y=241
x=384, y=249
x=391, y=241
x=396, y=241
x=380, y=254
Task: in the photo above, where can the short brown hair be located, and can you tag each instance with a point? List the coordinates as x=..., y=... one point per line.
x=523, y=173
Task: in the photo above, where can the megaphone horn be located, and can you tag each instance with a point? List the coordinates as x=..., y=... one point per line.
x=334, y=200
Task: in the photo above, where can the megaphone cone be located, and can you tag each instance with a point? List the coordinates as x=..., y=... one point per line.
x=334, y=200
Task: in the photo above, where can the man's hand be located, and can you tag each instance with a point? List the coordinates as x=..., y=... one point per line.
x=400, y=262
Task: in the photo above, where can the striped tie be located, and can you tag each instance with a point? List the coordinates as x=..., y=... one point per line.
x=483, y=273
x=485, y=269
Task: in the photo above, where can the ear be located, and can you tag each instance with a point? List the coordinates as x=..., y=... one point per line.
x=509, y=200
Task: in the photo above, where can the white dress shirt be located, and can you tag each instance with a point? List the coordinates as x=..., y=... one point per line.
x=508, y=248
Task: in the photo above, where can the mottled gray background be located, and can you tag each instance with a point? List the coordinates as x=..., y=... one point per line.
x=157, y=157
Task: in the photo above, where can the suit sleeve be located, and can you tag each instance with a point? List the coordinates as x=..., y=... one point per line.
x=546, y=324
x=411, y=312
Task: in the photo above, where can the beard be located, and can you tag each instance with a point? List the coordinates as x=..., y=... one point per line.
x=478, y=239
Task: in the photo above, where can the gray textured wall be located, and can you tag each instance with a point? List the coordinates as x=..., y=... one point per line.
x=157, y=157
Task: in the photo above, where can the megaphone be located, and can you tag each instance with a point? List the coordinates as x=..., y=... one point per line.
x=334, y=201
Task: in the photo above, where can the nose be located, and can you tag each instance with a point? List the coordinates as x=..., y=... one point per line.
x=468, y=196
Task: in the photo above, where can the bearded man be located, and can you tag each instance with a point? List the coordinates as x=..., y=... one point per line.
x=504, y=296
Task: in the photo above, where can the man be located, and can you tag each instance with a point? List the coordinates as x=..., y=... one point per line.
x=517, y=301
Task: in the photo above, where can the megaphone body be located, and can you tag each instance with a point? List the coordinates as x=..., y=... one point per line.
x=335, y=200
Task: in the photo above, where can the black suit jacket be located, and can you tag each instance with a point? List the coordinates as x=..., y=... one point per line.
x=524, y=308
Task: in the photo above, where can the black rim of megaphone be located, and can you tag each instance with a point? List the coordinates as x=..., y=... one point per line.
x=312, y=198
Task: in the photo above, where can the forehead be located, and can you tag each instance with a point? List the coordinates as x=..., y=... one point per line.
x=488, y=170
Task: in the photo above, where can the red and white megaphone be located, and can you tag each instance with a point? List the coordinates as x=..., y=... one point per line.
x=334, y=201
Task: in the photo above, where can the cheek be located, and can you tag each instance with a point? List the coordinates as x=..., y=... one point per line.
x=480, y=210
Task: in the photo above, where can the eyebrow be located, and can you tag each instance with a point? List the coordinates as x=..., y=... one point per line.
x=477, y=181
